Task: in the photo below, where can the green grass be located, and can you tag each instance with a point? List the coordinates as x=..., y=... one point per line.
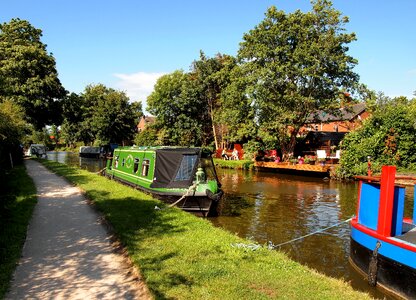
x=18, y=198
x=234, y=164
x=184, y=257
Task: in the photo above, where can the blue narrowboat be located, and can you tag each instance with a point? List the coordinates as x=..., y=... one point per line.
x=383, y=241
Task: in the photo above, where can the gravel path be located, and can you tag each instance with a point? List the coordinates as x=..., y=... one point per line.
x=68, y=254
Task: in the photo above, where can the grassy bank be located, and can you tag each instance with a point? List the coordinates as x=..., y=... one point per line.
x=185, y=257
x=234, y=164
x=18, y=198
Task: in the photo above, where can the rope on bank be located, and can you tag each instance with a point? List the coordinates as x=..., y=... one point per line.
x=272, y=246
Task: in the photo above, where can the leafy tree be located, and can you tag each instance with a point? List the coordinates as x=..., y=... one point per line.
x=174, y=102
x=297, y=63
x=210, y=77
x=110, y=116
x=237, y=110
x=73, y=115
x=147, y=137
x=28, y=73
x=387, y=137
x=12, y=128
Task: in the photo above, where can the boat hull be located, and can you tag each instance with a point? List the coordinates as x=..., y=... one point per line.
x=395, y=277
x=201, y=204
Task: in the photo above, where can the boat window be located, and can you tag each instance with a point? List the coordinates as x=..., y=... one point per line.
x=116, y=162
x=186, y=168
x=122, y=162
x=145, y=167
x=136, y=165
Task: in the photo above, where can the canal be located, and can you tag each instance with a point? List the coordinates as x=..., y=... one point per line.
x=269, y=208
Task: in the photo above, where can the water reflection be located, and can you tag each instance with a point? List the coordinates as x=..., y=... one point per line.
x=268, y=207
x=73, y=159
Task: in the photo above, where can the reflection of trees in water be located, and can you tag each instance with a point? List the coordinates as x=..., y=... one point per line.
x=73, y=159
x=279, y=208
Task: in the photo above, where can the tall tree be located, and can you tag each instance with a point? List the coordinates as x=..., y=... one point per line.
x=28, y=73
x=109, y=115
x=210, y=77
x=297, y=63
x=73, y=115
x=174, y=102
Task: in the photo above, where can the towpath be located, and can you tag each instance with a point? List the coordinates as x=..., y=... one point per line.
x=68, y=254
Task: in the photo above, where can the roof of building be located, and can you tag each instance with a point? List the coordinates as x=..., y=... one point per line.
x=343, y=114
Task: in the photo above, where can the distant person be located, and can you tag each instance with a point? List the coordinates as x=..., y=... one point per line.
x=224, y=154
x=235, y=154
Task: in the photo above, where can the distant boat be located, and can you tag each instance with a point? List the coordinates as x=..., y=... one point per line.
x=184, y=176
x=90, y=151
x=383, y=242
x=38, y=150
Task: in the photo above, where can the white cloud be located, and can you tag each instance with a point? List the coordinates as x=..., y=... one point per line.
x=137, y=85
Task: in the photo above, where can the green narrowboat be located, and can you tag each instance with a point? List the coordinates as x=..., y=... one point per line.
x=184, y=176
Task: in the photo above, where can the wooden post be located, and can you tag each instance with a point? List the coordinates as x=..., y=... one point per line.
x=385, y=213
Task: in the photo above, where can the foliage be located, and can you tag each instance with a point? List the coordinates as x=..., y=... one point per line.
x=72, y=114
x=174, y=103
x=297, y=63
x=210, y=77
x=188, y=105
x=18, y=198
x=12, y=128
x=387, y=137
x=147, y=137
x=238, y=112
x=251, y=148
x=28, y=73
x=184, y=257
x=100, y=115
x=234, y=164
x=113, y=118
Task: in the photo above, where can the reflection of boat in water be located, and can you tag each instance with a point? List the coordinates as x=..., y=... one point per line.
x=37, y=150
x=383, y=242
x=185, y=176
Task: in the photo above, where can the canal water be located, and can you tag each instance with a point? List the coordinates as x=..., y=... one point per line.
x=271, y=209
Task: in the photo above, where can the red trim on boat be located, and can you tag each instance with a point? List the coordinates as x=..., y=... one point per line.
x=374, y=234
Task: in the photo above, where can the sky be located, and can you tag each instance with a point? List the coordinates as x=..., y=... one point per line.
x=128, y=44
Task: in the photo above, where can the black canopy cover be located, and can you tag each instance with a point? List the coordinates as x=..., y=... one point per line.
x=175, y=167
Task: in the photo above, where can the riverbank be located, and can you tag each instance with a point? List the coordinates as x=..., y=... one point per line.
x=185, y=257
x=18, y=198
x=234, y=164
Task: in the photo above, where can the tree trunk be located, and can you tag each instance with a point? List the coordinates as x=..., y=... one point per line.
x=211, y=113
x=289, y=147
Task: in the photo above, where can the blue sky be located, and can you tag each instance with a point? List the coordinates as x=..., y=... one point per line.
x=128, y=44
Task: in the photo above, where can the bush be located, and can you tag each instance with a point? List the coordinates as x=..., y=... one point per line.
x=387, y=137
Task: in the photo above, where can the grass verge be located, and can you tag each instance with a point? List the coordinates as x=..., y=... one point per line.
x=234, y=164
x=18, y=198
x=184, y=257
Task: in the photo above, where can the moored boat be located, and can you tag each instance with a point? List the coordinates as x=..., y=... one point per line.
x=383, y=241
x=38, y=150
x=184, y=176
x=90, y=151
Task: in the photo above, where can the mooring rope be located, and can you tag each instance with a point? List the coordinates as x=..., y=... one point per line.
x=192, y=187
x=272, y=246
